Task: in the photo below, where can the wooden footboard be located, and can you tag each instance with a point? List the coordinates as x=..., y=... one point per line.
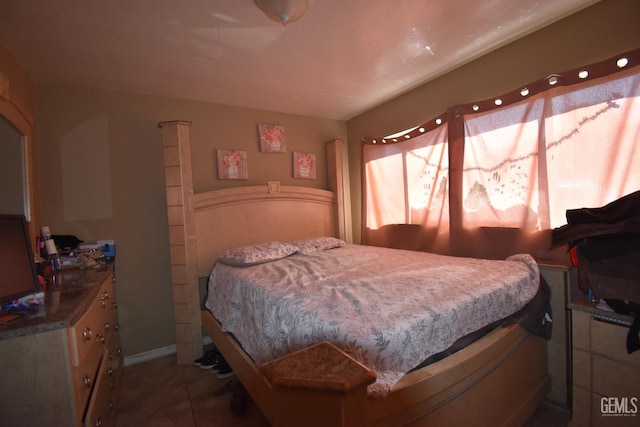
x=497, y=381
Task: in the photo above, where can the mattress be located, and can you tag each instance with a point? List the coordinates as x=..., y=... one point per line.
x=390, y=309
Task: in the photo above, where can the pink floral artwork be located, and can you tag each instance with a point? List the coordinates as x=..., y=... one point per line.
x=232, y=164
x=304, y=165
x=271, y=138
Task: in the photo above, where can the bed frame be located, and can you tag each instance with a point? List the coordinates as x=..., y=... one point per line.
x=497, y=381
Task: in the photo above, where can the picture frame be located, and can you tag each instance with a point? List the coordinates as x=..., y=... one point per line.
x=304, y=165
x=232, y=164
x=272, y=138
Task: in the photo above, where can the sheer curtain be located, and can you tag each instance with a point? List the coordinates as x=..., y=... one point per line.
x=512, y=165
x=407, y=183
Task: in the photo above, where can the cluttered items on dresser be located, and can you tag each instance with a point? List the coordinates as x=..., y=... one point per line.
x=58, y=251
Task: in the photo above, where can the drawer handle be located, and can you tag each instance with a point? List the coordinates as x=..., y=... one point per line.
x=110, y=405
x=116, y=327
x=105, y=295
x=97, y=422
x=100, y=338
x=115, y=304
x=86, y=381
x=103, y=302
x=609, y=319
x=86, y=334
x=107, y=326
x=119, y=352
x=109, y=371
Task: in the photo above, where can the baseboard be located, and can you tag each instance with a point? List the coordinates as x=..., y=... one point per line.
x=149, y=355
x=156, y=353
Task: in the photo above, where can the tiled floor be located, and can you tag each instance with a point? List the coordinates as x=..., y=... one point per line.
x=161, y=393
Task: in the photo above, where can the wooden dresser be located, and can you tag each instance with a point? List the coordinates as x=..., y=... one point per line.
x=61, y=366
x=606, y=379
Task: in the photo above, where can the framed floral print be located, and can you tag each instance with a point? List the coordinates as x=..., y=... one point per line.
x=304, y=165
x=232, y=164
x=271, y=138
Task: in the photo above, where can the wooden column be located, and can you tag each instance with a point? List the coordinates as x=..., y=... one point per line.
x=176, y=141
x=335, y=176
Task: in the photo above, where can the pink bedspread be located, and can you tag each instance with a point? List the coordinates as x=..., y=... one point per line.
x=389, y=308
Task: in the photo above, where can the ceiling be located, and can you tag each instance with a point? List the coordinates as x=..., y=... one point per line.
x=340, y=59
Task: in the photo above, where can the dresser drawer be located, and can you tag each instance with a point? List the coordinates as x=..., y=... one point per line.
x=611, y=340
x=606, y=379
x=581, y=407
x=86, y=336
x=101, y=407
x=615, y=379
x=110, y=324
x=581, y=368
x=580, y=330
x=84, y=377
x=113, y=345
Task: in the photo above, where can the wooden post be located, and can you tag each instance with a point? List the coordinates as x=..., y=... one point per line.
x=336, y=183
x=176, y=141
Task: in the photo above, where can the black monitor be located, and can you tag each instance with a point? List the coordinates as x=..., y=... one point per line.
x=18, y=276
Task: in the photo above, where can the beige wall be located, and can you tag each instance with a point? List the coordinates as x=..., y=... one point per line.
x=102, y=169
x=594, y=34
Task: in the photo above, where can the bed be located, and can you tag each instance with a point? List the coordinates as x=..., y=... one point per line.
x=498, y=379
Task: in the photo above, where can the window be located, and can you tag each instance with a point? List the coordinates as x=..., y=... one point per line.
x=516, y=162
x=527, y=163
x=407, y=182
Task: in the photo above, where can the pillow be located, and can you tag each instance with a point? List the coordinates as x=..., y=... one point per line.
x=257, y=254
x=317, y=244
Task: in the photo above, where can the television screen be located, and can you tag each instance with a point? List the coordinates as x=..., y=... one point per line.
x=18, y=276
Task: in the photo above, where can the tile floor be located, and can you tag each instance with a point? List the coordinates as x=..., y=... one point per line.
x=161, y=393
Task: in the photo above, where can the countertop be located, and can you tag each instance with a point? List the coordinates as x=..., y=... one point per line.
x=68, y=295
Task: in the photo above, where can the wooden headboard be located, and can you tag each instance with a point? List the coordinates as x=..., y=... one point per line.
x=246, y=215
x=202, y=225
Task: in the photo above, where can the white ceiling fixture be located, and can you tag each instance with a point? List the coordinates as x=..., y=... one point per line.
x=342, y=58
x=283, y=11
